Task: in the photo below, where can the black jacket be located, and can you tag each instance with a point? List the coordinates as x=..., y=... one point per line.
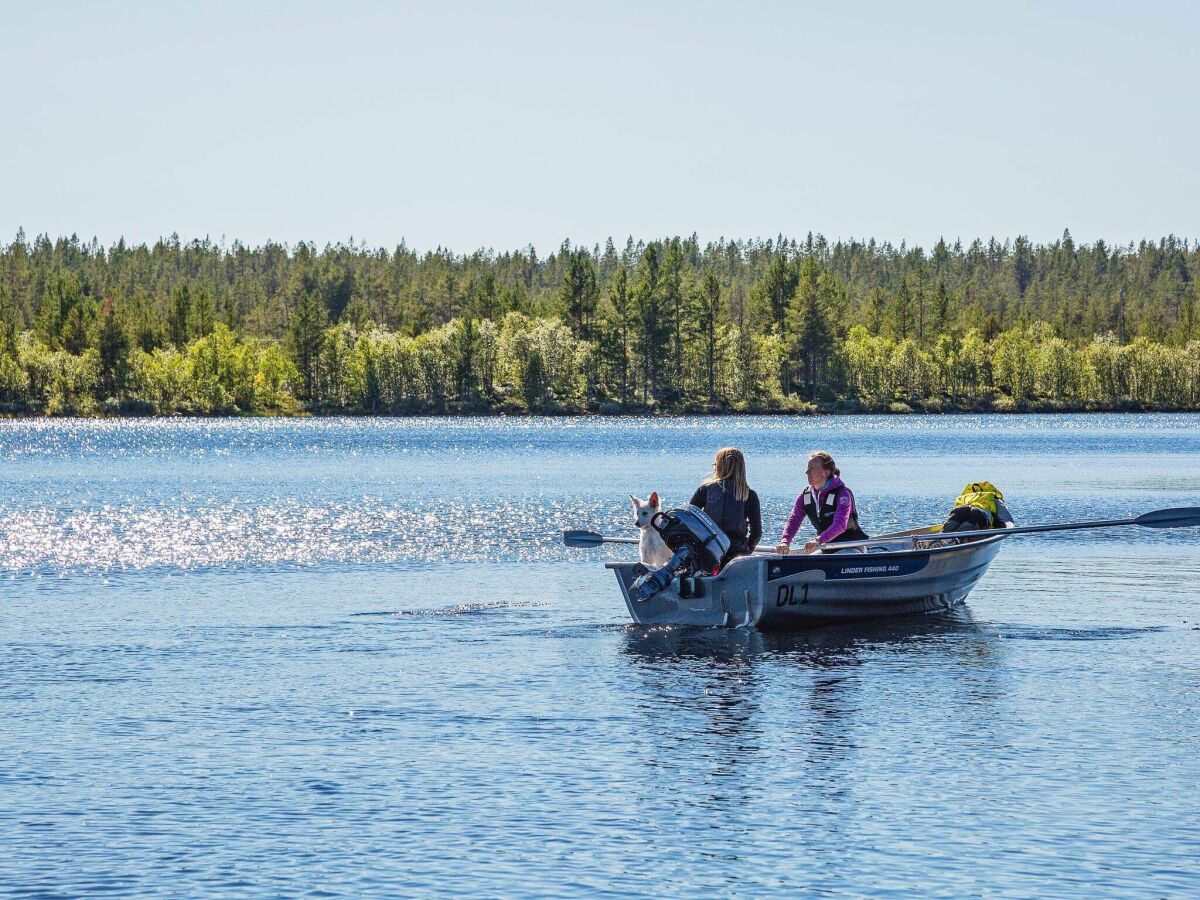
x=741, y=520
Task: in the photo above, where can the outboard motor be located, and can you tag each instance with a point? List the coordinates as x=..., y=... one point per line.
x=697, y=541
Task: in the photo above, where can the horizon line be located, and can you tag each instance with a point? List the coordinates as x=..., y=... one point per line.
x=780, y=238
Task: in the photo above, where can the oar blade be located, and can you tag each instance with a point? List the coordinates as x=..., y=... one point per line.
x=579, y=538
x=1179, y=517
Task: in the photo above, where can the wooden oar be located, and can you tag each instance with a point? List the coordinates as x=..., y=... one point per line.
x=1179, y=517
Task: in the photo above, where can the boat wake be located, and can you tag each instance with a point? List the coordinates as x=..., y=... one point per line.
x=1036, y=633
x=460, y=609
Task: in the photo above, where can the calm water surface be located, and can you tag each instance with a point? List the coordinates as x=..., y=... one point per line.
x=349, y=657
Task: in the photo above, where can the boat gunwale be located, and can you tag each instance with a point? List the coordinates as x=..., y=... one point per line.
x=972, y=544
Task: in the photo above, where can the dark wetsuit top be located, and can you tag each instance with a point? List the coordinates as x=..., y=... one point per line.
x=741, y=520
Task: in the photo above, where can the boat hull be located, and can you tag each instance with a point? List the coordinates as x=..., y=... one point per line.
x=773, y=592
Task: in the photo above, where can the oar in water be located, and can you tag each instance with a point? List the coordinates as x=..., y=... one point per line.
x=1179, y=517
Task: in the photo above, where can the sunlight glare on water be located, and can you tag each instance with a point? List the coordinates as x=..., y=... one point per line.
x=351, y=656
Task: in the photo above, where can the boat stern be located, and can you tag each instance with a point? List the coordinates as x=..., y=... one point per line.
x=728, y=599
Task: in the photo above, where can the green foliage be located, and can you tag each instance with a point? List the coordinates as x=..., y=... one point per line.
x=113, y=355
x=55, y=382
x=771, y=294
x=14, y=385
x=579, y=294
x=223, y=373
x=179, y=320
x=901, y=317
x=810, y=330
x=616, y=335
x=653, y=321
x=709, y=312
x=307, y=337
x=669, y=325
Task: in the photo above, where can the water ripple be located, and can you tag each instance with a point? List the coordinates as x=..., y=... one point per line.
x=351, y=658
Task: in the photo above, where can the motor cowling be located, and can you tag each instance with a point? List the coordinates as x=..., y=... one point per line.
x=698, y=544
x=689, y=526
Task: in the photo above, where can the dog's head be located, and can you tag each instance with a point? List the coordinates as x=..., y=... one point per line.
x=644, y=510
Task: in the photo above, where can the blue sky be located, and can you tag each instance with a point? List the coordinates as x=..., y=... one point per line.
x=498, y=125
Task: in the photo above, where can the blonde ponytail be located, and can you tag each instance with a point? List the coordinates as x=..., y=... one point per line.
x=730, y=465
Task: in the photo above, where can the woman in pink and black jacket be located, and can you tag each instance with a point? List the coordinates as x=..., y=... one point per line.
x=827, y=503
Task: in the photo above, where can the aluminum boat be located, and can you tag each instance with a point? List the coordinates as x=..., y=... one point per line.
x=891, y=575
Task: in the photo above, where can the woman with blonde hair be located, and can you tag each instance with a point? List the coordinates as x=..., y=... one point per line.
x=727, y=498
x=827, y=503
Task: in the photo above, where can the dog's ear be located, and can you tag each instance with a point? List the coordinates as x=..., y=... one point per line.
x=654, y=499
x=635, y=500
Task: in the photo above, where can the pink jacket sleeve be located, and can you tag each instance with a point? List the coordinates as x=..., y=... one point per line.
x=795, y=520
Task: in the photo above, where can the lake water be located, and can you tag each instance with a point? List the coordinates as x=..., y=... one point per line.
x=350, y=657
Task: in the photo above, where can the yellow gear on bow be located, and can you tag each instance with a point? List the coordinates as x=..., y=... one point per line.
x=982, y=494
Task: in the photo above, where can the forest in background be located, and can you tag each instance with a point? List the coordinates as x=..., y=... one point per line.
x=662, y=326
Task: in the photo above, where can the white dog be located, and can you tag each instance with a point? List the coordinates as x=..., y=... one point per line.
x=652, y=549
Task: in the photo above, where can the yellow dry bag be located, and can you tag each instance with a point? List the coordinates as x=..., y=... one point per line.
x=981, y=494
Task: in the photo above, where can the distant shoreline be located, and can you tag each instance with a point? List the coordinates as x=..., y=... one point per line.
x=1026, y=409
x=668, y=327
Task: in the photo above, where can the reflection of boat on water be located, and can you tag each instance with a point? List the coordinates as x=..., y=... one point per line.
x=745, y=719
x=893, y=577
x=832, y=647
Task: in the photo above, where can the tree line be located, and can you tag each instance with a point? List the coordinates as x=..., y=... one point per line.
x=666, y=325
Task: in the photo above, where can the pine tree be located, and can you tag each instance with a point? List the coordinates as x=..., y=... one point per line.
x=675, y=305
x=920, y=293
x=113, y=345
x=1187, y=321
x=578, y=292
x=62, y=292
x=307, y=334
x=618, y=297
x=1022, y=264
x=73, y=336
x=876, y=310
x=336, y=285
x=483, y=298
x=202, y=317
x=711, y=311
x=940, y=257
x=654, y=329
x=771, y=294
x=609, y=262
x=940, y=314
x=465, y=346
x=178, y=321
x=10, y=321
x=810, y=337
x=900, y=312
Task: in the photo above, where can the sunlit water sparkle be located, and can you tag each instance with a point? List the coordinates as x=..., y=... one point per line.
x=350, y=656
